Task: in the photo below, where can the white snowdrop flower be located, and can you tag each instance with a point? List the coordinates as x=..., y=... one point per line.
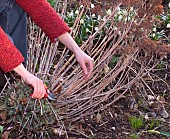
x=119, y=33
x=109, y=12
x=129, y=18
x=115, y=28
x=81, y=21
x=131, y=8
x=119, y=12
x=169, y=5
x=71, y=13
x=120, y=17
x=135, y=21
x=92, y=6
x=104, y=18
x=118, y=9
x=96, y=28
x=124, y=12
x=81, y=6
x=168, y=25
x=87, y=30
x=77, y=12
x=146, y=117
x=93, y=15
x=126, y=19
x=68, y=14
x=154, y=29
x=99, y=17
x=153, y=35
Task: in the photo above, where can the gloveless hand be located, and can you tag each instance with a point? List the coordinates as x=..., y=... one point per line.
x=86, y=63
x=36, y=83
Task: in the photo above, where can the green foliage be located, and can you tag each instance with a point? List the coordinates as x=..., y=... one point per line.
x=90, y=23
x=113, y=61
x=135, y=122
x=165, y=18
x=1, y=130
x=164, y=133
x=154, y=123
x=52, y=2
x=158, y=35
x=159, y=31
x=134, y=136
x=159, y=132
x=160, y=66
x=122, y=15
x=23, y=110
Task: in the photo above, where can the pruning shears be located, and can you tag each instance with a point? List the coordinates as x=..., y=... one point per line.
x=48, y=94
x=53, y=97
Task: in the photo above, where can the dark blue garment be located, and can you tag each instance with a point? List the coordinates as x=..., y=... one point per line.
x=13, y=22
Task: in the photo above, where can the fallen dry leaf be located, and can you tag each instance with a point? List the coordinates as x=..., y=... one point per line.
x=98, y=118
x=106, y=68
x=3, y=115
x=5, y=135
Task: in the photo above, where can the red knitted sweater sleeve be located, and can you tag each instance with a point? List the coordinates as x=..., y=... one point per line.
x=10, y=57
x=45, y=17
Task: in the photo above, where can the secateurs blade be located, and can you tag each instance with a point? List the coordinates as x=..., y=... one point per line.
x=48, y=94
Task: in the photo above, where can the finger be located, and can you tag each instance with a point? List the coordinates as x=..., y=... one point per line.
x=34, y=92
x=84, y=68
x=86, y=76
x=41, y=91
x=91, y=65
x=90, y=69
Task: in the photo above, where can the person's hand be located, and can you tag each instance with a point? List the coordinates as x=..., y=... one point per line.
x=86, y=63
x=36, y=83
